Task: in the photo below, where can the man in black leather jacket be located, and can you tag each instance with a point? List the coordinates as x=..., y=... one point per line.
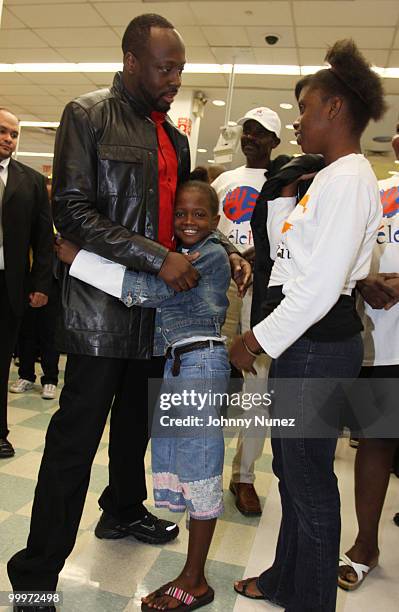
x=114, y=148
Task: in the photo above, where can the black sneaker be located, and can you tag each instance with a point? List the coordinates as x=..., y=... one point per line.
x=34, y=609
x=148, y=529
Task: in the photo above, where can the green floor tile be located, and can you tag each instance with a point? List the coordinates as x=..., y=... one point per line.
x=91, y=599
x=39, y=421
x=13, y=534
x=15, y=492
x=220, y=576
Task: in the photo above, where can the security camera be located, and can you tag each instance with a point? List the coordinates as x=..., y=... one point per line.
x=272, y=39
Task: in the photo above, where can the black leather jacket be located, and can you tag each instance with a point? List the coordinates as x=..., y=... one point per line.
x=105, y=198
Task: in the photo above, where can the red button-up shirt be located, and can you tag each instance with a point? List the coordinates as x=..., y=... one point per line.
x=167, y=182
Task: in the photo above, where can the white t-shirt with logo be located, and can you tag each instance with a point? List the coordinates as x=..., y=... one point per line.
x=237, y=191
x=325, y=248
x=381, y=327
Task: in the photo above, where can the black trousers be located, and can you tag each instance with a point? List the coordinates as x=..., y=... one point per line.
x=9, y=325
x=92, y=386
x=36, y=337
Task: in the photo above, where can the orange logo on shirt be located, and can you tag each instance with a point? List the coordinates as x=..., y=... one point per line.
x=287, y=226
x=304, y=201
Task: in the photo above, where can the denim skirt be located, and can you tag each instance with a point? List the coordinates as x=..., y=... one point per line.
x=187, y=444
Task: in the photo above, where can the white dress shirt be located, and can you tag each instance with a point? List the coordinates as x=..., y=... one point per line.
x=3, y=177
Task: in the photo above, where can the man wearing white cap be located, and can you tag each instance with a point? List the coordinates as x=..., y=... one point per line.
x=237, y=192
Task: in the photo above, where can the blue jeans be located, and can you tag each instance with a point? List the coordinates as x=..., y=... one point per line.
x=303, y=577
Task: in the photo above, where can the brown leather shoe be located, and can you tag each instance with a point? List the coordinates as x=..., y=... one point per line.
x=247, y=500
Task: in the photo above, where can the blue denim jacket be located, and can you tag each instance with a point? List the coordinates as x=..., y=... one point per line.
x=198, y=312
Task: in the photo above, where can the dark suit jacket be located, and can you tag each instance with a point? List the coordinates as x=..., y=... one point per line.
x=27, y=223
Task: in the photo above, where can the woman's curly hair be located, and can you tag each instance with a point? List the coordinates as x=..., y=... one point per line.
x=351, y=77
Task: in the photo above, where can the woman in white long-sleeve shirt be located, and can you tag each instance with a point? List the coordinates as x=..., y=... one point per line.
x=313, y=331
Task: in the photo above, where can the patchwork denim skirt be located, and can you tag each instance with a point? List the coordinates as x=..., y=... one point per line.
x=187, y=438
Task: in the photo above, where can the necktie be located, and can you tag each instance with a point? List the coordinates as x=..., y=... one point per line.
x=2, y=190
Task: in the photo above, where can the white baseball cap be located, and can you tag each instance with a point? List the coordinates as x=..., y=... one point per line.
x=266, y=117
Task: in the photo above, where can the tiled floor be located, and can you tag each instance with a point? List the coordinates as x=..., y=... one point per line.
x=111, y=576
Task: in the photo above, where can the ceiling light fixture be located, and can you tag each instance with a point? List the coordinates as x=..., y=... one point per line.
x=286, y=106
x=202, y=150
x=44, y=124
x=211, y=161
x=276, y=69
x=293, y=142
x=218, y=102
x=289, y=126
x=232, y=123
x=33, y=154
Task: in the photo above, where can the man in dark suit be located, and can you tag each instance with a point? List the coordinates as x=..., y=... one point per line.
x=25, y=223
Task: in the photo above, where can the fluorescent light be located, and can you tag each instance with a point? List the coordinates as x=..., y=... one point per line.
x=311, y=69
x=396, y=161
x=33, y=154
x=48, y=124
x=232, y=123
x=211, y=161
x=202, y=150
x=289, y=126
x=266, y=69
x=294, y=142
x=286, y=105
x=271, y=69
x=393, y=172
x=219, y=102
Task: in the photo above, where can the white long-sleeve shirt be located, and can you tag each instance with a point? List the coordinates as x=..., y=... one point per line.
x=325, y=247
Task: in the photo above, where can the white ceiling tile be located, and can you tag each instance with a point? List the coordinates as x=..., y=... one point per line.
x=225, y=36
x=391, y=86
x=34, y=101
x=353, y=12
x=315, y=57
x=20, y=38
x=192, y=36
x=91, y=54
x=236, y=55
x=100, y=79
x=79, y=37
x=121, y=13
x=64, y=93
x=394, y=59
x=58, y=78
x=311, y=57
x=242, y=13
x=257, y=35
x=200, y=55
x=204, y=80
x=39, y=16
x=29, y=2
x=371, y=38
x=8, y=20
x=24, y=90
x=265, y=81
x=13, y=78
x=27, y=55
x=275, y=55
